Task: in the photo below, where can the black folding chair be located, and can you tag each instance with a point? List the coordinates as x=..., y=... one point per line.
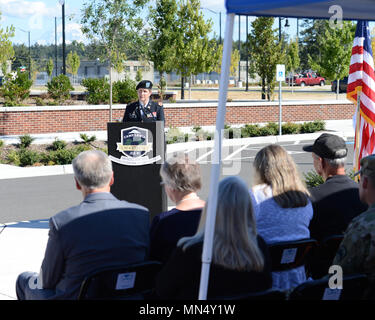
x=128, y=282
x=270, y=294
x=288, y=255
x=353, y=288
x=321, y=257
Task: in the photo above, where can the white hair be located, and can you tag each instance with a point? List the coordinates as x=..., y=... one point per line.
x=92, y=169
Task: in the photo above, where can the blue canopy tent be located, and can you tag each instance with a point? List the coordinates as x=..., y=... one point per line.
x=317, y=9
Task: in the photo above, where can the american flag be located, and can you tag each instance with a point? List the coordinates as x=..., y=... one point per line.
x=361, y=82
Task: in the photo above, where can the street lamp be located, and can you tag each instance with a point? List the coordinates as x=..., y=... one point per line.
x=62, y=3
x=286, y=25
x=29, y=52
x=219, y=20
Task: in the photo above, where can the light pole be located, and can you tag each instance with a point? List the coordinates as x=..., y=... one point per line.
x=286, y=25
x=219, y=20
x=62, y=2
x=28, y=32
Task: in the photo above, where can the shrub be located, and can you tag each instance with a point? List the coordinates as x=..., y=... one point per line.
x=25, y=141
x=312, y=179
x=86, y=139
x=59, y=88
x=15, y=88
x=98, y=90
x=290, y=128
x=270, y=129
x=174, y=135
x=58, y=144
x=39, y=101
x=28, y=157
x=124, y=91
x=250, y=130
x=13, y=157
x=310, y=127
x=1, y=143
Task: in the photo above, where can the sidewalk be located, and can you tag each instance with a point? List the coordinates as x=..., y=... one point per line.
x=22, y=244
x=342, y=128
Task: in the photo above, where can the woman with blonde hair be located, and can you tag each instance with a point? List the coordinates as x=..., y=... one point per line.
x=181, y=178
x=282, y=206
x=240, y=261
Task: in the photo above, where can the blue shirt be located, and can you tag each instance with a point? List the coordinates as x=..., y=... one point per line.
x=276, y=224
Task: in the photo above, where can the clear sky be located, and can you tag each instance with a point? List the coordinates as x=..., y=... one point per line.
x=38, y=17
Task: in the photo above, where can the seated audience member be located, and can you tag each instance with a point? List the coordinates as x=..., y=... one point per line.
x=356, y=253
x=336, y=201
x=101, y=231
x=240, y=261
x=282, y=207
x=181, y=179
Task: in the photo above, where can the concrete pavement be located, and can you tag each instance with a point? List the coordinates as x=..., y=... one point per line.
x=22, y=244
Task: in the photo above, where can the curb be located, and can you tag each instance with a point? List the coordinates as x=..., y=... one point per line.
x=13, y=172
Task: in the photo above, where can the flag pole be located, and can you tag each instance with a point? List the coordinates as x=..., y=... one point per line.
x=356, y=153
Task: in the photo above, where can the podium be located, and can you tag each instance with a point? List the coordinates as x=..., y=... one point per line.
x=137, y=150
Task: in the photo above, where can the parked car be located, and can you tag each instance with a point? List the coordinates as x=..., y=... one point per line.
x=342, y=86
x=307, y=79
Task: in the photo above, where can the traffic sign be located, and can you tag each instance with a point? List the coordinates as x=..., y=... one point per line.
x=280, y=72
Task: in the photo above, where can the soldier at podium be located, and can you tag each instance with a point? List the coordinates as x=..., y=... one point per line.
x=144, y=110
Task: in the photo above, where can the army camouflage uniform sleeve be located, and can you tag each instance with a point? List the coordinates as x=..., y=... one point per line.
x=356, y=253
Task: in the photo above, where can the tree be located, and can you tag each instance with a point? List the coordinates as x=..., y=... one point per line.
x=312, y=31
x=139, y=75
x=49, y=67
x=6, y=48
x=73, y=62
x=292, y=58
x=111, y=24
x=266, y=53
x=335, y=52
x=163, y=20
x=234, y=59
x=194, y=52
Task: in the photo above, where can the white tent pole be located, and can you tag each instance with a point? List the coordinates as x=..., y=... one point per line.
x=216, y=163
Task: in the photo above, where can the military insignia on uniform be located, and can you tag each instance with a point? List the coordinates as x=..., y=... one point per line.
x=135, y=145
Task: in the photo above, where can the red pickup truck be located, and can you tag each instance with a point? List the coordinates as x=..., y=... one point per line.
x=306, y=79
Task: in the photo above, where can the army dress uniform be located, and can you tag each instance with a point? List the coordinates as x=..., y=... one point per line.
x=138, y=112
x=135, y=112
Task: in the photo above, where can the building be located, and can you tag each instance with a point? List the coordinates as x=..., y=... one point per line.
x=97, y=69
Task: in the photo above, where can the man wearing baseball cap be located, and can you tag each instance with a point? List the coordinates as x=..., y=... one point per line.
x=356, y=253
x=144, y=110
x=336, y=202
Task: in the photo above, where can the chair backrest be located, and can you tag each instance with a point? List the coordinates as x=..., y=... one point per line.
x=353, y=288
x=321, y=257
x=132, y=281
x=270, y=294
x=288, y=255
x=328, y=247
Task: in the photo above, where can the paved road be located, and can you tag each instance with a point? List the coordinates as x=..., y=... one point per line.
x=41, y=197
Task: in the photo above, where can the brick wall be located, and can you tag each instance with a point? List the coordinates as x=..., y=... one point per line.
x=33, y=120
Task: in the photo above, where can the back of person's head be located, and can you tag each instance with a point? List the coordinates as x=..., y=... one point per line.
x=235, y=240
x=182, y=173
x=277, y=169
x=331, y=148
x=92, y=169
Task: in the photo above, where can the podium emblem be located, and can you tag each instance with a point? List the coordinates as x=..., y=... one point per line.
x=135, y=145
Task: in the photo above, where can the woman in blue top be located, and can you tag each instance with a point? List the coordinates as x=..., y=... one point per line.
x=282, y=207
